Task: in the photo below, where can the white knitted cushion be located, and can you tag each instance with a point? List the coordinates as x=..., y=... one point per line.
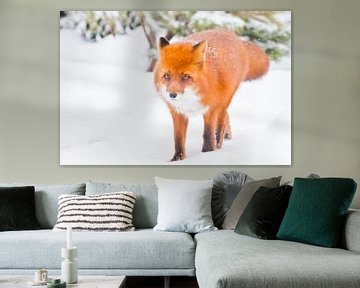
x=105, y=212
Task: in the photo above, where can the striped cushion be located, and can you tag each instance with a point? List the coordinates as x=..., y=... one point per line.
x=105, y=212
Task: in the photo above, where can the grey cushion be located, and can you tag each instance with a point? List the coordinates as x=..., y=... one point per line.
x=46, y=200
x=146, y=204
x=225, y=189
x=243, y=198
x=144, y=249
x=226, y=259
x=184, y=205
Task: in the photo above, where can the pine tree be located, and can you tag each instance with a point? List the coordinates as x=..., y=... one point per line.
x=265, y=28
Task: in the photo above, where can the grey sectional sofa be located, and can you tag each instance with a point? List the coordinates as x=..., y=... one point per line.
x=218, y=259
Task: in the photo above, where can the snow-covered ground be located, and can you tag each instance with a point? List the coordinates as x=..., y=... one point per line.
x=111, y=114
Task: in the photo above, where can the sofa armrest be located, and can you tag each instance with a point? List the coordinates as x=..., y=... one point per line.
x=351, y=234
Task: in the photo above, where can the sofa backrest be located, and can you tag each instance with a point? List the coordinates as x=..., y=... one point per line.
x=146, y=203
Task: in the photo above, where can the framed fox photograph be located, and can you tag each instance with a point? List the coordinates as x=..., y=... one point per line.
x=175, y=87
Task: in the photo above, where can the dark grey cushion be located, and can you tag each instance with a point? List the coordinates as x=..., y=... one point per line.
x=263, y=215
x=17, y=209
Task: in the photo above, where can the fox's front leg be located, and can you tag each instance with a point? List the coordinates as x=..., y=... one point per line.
x=180, y=122
x=210, y=120
x=223, y=130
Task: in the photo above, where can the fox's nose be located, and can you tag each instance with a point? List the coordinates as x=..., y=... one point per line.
x=173, y=95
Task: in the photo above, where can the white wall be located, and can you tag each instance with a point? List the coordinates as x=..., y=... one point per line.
x=326, y=92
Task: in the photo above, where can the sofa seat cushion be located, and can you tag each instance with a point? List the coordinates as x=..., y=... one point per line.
x=226, y=259
x=142, y=249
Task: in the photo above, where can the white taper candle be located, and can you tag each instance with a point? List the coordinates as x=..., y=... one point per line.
x=69, y=237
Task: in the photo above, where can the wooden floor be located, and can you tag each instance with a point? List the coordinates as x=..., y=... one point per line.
x=158, y=282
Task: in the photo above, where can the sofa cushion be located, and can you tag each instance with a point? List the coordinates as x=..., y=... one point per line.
x=146, y=205
x=105, y=212
x=317, y=209
x=225, y=259
x=243, y=198
x=17, y=208
x=46, y=200
x=143, y=249
x=225, y=189
x=263, y=215
x=184, y=205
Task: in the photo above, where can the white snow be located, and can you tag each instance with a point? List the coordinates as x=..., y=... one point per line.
x=220, y=18
x=111, y=113
x=284, y=17
x=261, y=24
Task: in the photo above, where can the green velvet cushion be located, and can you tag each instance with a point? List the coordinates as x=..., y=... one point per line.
x=316, y=211
x=263, y=215
x=17, y=208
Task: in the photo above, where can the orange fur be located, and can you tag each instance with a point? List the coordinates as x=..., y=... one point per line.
x=202, y=73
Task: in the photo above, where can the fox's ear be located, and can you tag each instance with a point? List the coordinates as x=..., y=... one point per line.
x=163, y=42
x=199, y=51
x=200, y=46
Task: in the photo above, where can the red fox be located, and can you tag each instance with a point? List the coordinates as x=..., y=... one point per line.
x=200, y=75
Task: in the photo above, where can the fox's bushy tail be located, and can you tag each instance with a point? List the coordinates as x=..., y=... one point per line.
x=258, y=61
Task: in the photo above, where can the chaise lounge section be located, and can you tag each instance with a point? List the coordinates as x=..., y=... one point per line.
x=226, y=259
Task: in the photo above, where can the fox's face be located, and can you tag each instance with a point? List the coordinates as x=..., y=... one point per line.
x=178, y=72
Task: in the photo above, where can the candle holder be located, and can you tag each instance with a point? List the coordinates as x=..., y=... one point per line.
x=69, y=271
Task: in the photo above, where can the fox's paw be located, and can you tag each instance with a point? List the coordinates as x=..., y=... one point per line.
x=208, y=148
x=219, y=139
x=178, y=157
x=228, y=135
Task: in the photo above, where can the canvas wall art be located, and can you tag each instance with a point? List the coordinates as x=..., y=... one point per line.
x=175, y=88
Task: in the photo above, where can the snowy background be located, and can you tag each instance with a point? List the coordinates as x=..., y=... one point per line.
x=111, y=114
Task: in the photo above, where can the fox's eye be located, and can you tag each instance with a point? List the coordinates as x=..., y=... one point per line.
x=185, y=77
x=167, y=76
